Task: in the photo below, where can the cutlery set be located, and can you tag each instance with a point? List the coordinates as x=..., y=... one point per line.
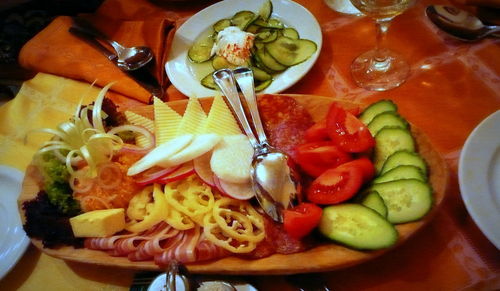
x=132, y=61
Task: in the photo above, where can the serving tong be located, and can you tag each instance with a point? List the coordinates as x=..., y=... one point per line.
x=274, y=185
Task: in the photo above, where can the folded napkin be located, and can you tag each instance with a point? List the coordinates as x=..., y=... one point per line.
x=132, y=23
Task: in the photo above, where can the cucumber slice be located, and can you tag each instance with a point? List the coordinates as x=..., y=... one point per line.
x=401, y=172
x=266, y=10
x=404, y=157
x=252, y=28
x=219, y=62
x=376, y=108
x=208, y=81
x=406, y=200
x=374, y=201
x=201, y=50
x=268, y=61
x=221, y=24
x=267, y=35
x=260, y=75
x=389, y=118
x=271, y=23
x=289, y=51
x=263, y=85
x=390, y=140
x=357, y=226
x=243, y=19
x=291, y=33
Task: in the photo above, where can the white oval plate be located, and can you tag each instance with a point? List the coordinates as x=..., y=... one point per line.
x=290, y=13
x=479, y=176
x=13, y=239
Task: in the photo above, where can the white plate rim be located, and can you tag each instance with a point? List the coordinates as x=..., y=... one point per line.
x=177, y=67
x=479, y=152
x=11, y=254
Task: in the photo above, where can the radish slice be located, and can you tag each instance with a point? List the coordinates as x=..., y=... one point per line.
x=217, y=184
x=243, y=191
x=153, y=174
x=184, y=171
x=203, y=170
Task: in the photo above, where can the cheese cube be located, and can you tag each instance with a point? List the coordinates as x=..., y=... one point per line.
x=98, y=223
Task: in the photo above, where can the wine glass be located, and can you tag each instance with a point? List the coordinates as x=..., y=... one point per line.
x=380, y=69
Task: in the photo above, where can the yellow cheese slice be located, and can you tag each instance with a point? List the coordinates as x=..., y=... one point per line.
x=98, y=223
x=139, y=120
x=167, y=122
x=193, y=117
x=220, y=119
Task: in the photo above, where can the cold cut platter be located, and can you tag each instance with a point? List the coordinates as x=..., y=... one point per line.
x=324, y=249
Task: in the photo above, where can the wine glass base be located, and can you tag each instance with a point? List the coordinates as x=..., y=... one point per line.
x=379, y=75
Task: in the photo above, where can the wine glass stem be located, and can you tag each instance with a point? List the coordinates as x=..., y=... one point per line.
x=382, y=27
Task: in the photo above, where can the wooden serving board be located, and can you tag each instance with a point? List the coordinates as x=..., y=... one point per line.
x=321, y=258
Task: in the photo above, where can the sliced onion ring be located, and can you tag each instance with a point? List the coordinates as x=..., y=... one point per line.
x=80, y=181
x=154, y=174
x=137, y=129
x=109, y=175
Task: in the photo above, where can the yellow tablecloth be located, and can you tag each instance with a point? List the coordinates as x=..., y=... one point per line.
x=46, y=101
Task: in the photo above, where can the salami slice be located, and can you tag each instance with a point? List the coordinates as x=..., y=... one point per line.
x=285, y=121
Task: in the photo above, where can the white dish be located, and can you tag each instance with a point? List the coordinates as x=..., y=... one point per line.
x=13, y=239
x=178, y=66
x=479, y=176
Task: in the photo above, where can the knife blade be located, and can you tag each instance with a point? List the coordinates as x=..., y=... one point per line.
x=141, y=76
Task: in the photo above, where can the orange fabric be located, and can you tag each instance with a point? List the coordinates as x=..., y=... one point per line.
x=453, y=86
x=56, y=51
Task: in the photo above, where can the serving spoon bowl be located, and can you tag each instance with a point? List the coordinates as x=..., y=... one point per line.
x=459, y=23
x=127, y=58
x=274, y=185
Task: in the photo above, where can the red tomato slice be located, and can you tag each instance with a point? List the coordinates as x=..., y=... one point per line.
x=354, y=111
x=348, y=132
x=301, y=220
x=365, y=165
x=335, y=185
x=317, y=132
x=317, y=157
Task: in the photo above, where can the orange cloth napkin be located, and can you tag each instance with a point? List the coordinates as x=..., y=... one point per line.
x=54, y=50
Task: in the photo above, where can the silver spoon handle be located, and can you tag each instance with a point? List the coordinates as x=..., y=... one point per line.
x=224, y=79
x=244, y=78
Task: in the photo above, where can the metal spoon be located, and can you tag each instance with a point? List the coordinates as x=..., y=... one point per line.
x=128, y=58
x=274, y=187
x=459, y=23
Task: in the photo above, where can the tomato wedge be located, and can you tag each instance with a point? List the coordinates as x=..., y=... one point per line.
x=302, y=219
x=317, y=132
x=336, y=185
x=365, y=165
x=348, y=132
x=317, y=157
